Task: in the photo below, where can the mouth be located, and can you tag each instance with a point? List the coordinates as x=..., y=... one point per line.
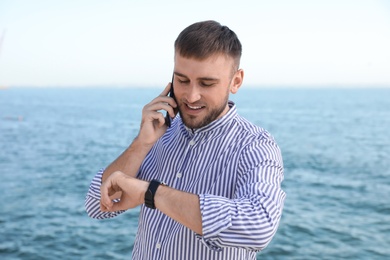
x=194, y=107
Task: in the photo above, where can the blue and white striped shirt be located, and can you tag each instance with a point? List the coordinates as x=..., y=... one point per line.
x=235, y=168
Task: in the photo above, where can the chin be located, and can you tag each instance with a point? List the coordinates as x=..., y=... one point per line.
x=193, y=124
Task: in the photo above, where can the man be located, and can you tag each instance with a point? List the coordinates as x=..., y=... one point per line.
x=209, y=185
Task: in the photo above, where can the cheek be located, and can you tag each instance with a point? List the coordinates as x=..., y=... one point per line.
x=178, y=92
x=216, y=96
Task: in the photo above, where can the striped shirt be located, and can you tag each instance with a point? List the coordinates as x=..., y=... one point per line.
x=234, y=167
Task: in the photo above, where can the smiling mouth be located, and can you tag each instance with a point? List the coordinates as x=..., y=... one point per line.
x=195, y=107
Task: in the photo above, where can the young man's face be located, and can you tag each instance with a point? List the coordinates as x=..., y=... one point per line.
x=202, y=88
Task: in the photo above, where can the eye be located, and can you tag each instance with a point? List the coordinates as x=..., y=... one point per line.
x=183, y=81
x=205, y=84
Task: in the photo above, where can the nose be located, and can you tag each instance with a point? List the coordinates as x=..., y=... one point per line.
x=193, y=94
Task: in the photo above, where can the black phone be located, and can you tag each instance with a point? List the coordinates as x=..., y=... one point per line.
x=172, y=95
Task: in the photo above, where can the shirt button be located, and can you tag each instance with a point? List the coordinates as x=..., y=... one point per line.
x=192, y=142
x=178, y=175
x=158, y=245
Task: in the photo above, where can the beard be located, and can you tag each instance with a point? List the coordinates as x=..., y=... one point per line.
x=195, y=122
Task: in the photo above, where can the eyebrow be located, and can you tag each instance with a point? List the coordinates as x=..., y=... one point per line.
x=202, y=78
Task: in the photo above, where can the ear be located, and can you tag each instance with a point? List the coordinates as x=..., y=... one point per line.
x=237, y=80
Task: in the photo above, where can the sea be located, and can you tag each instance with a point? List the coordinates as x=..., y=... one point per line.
x=335, y=144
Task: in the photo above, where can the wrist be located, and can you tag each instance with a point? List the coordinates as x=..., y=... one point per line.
x=141, y=144
x=143, y=187
x=149, y=198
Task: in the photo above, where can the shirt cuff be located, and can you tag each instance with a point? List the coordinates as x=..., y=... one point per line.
x=216, y=215
x=92, y=200
x=94, y=188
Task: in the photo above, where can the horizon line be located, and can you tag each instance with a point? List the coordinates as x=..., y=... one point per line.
x=280, y=86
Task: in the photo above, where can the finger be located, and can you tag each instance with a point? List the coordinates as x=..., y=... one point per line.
x=166, y=90
x=118, y=206
x=103, y=207
x=105, y=200
x=170, y=100
x=162, y=106
x=116, y=195
x=161, y=122
x=158, y=119
x=161, y=102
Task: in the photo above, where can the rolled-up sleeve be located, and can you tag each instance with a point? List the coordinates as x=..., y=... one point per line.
x=92, y=200
x=251, y=218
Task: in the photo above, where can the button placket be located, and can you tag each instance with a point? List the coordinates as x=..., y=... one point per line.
x=179, y=174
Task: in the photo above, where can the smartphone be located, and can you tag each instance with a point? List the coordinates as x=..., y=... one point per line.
x=168, y=119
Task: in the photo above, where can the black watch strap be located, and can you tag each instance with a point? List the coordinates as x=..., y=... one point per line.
x=151, y=191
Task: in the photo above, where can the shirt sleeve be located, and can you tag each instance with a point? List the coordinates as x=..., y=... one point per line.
x=250, y=219
x=92, y=200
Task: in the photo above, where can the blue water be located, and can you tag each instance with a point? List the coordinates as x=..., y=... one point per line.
x=335, y=143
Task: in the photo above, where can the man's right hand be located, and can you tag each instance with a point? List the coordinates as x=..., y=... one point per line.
x=153, y=121
x=152, y=128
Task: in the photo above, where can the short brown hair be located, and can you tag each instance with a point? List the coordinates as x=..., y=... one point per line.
x=204, y=39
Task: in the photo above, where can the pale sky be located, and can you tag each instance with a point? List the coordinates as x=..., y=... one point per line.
x=130, y=43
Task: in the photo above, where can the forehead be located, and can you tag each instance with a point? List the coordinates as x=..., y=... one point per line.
x=217, y=65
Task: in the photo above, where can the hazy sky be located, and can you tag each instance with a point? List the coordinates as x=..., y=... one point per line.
x=118, y=42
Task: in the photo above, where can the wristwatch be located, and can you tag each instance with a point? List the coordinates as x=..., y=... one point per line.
x=150, y=192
